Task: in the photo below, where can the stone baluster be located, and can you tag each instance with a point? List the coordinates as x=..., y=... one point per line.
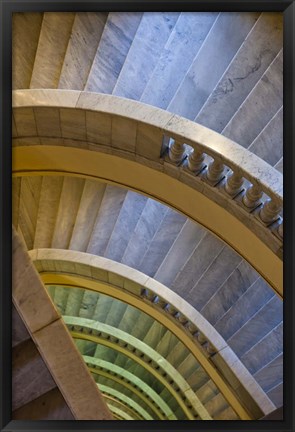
x=234, y=184
x=176, y=151
x=215, y=171
x=280, y=230
x=270, y=211
x=195, y=161
x=252, y=197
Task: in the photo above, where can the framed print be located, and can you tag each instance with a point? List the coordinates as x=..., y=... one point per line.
x=150, y=270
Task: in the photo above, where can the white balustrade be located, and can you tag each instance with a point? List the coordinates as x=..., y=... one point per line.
x=270, y=211
x=196, y=161
x=215, y=171
x=252, y=197
x=234, y=184
x=176, y=151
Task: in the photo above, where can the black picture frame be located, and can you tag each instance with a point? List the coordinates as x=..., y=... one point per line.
x=7, y=7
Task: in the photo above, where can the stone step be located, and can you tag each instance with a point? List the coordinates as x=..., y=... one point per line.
x=250, y=62
x=177, y=55
x=202, y=257
x=86, y=33
x=244, y=308
x=88, y=304
x=276, y=395
x=49, y=406
x=216, y=405
x=30, y=190
x=228, y=292
x=260, y=106
x=213, y=278
x=258, y=326
x=280, y=165
x=19, y=331
x=106, y=218
x=60, y=299
x=226, y=414
x=147, y=45
x=177, y=352
x=126, y=222
x=91, y=198
x=53, y=41
x=117, y=36
x=67, y=211
x=183, y=246
x=74, y=302
x=154, y=334
x=271, y=374
x=197, y=379
x=269, y=143
x=47, y=211
x=25, y=36
x=162, y=241
x=208, y=65
x=265, y=350
x=30, y=376
x=188, y=366
x=207, y=391
x=144, y=232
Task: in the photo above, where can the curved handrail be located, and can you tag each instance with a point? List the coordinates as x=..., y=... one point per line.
x=206, y=338
x=240, y=183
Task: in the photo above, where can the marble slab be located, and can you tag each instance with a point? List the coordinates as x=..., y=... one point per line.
x=128, y=217
x=151, y=217
x=30, y=376
x=115, y=42
x=269, y=143
x=246, y=306
x=276, y=395
x=149, y=40
x=162, y=241
x=268, y=317
x=25, y=123
x=271, y=374
x=261, y=105
x=181, y=249
x=54, y=36
x=256, y=53
x=67, y=210
x=202, y=257
x=90, y=202
x=233, y=287
x=48, y=122
x=214, y=277
x=49, y=406
x=25, y=36
x=47, y=211
x=198, y=83
x=184, y=42
x=85, y=36
x=266, y=350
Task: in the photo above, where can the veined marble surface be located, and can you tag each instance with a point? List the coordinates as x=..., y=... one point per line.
x=114, y=45
x=150, y=38
x=25, y=36
x=186, y=39
x=198, y=83
x=54, y=36
x=86, y=33
x=252, y=59
x=262, y=104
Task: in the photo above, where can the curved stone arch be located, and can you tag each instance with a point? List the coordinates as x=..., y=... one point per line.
x=195, y=331
x=172, y=373
x=132, y=387
x=125, y=399
x=134, y=161
x=151, y=370
x=135, y=380
x=113, y=402
x=119, y=412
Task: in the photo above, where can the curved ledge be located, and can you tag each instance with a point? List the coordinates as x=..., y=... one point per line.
x=152, y=355
x=121, y=141
x=205, y=343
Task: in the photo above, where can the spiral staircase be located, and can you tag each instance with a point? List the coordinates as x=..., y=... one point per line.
x=148, y=352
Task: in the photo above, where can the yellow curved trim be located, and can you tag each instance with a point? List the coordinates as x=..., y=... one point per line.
x=146, y=366
x=127, y=408
x=129, y=387
x=79, y=282
x=55, y=160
